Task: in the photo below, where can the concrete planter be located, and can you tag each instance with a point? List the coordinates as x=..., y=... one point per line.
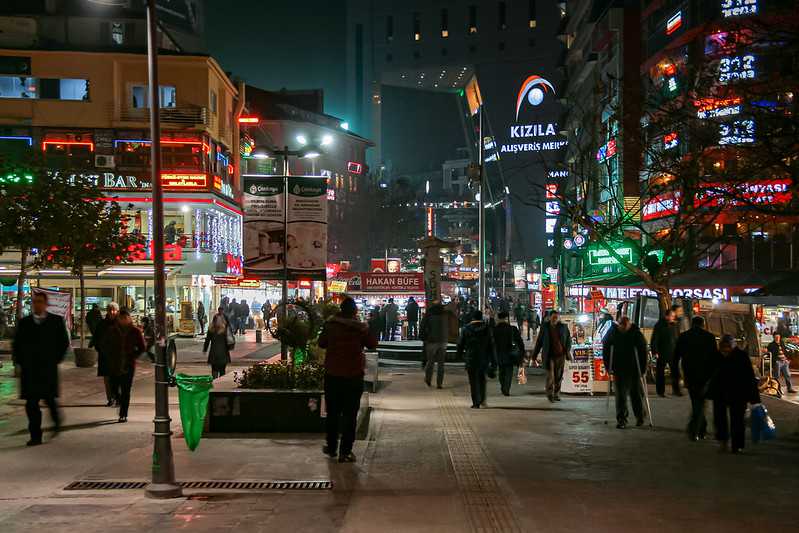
x=270, y=411
x=85, y=357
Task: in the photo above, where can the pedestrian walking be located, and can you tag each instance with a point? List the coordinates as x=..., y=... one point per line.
x=93, y=318
x=374, y=323
x=344, y=337
x=627, y=345
x=111, y=311
x=412, y=312
x=201, y=317
x=232, y=315
x=780, y=365
x=434, y=334
x=148, y=330
x=519, y=313
x=554, y=343
x=124, y=343
x=664, y=340
x=220, y=340
x=391, y=310
x=697, y=351
x=244, y=316
x=40, y=343
x=476, y=347
x=533, y=321
x=732, y=387
x=510, y=351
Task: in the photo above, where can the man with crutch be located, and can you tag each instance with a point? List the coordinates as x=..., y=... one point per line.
x=624, y=352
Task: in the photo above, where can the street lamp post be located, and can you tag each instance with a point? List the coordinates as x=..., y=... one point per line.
x=163, y=483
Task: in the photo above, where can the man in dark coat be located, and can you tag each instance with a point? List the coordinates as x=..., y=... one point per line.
x=533, y=321
x=510, y=351
x=391, y=312
x=412, y=312
x=476, y=347
x=111, y=311
x=624, y=353
x=39, y=346
x=435, y=335
x=93, y=317
x=554, y=343
x=344, y=337
x=732, y=387
x=664, y=340
x=519, y=312
x=697, y=350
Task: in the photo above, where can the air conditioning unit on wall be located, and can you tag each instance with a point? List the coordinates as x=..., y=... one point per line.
x=104, y=161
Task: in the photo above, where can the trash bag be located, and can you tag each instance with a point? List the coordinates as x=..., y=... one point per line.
x=763, y=426
x=193, y=398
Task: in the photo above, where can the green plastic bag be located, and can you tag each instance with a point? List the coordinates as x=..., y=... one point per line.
x=193, y=399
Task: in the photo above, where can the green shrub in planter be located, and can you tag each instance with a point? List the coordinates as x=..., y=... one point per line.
x=283, y=376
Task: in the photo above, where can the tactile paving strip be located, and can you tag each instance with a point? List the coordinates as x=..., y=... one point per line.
x=484, y=500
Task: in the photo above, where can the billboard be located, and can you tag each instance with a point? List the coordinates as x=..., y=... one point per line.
x=264, y=236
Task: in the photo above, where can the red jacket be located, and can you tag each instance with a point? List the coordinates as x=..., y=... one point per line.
x=344, y=339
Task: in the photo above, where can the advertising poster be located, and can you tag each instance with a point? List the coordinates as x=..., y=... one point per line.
x=58, y=303
x=264, y=229
x=519, y=276
x=578, y=375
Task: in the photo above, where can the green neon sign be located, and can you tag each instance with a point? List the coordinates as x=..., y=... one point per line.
x=602, y=257
x=13, y=178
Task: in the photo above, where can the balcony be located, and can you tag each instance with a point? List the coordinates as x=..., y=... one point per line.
x=177, y=117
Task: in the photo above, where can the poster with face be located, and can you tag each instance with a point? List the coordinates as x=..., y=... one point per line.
x=307, y=227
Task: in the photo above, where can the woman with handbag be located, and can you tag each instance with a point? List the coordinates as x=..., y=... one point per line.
x=221, y=340
x=123, y=343
x=510, y=350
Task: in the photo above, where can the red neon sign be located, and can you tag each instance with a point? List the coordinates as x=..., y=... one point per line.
x=172, y=252
x=249, y=120
x=233, y=265
x=674, y=23
x=183, y=181
x=68, y=143
x=354, y=168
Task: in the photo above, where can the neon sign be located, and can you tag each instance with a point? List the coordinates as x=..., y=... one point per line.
x=601, y=256
x=674, y=23
x=660, y=206
x=737, y=68
x=607, y=151
x=717, y=107
x=670, y=140
x=737, y=8
x=184, y=181
x=737, y=132
x=354, y=168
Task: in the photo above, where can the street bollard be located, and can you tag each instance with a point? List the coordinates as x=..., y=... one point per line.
x=258, y=336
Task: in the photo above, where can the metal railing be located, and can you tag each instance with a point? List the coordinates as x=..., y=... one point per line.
x=190, y=116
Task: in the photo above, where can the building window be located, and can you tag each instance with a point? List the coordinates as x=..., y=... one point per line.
x=444, y=23
x=140, y=96
x=472, y=19
x=532, y=20
x=69, y=154
x=213, y=102
x=44, y=88
x=389, y=28
x=502, y=15
x=417, y=26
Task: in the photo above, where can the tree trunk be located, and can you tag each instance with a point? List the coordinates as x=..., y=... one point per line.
x=82, y=308
x=664, y=299
x=21, y=282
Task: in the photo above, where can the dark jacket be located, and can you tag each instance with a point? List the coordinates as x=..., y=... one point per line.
x=435, y=324
x=476, y=346
x=543, y=343
x=509, y=343
x=219, y=354
x=774, y=350
x=344, y=339
x=626, y=346
x=664, y=338
x=200, y=312
x=412, y=311
x=97, y=340
x=93, y=318
x=734, y=380
x=123, y=346
x=697, y=350
x=38, y=349
x=391, y=312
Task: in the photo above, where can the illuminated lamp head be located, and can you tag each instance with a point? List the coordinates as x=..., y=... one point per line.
x=534, y=89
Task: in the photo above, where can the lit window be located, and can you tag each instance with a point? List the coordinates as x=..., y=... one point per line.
x=117, y=33
x=18, y=87
x=533, y=24
x=417, y=27
x=140, y=96
x=472, y=19
x=44, y=88
x=444, y=33
x=531, y=14
x=444, y=23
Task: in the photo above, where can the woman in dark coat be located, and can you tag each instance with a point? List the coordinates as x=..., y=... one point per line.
x=124, y=343
x=100, y=331
x=732, y=387
x=220, y=339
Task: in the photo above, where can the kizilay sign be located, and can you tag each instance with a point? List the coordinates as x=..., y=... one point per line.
x=263, y=202
x=533, y=137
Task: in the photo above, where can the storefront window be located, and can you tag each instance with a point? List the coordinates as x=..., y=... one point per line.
x=69, y=154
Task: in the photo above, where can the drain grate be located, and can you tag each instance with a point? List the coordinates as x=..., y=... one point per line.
x=217, y=485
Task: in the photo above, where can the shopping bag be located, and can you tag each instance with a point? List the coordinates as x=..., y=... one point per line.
x=763, y=426
x=193, y=398
x=522, y=376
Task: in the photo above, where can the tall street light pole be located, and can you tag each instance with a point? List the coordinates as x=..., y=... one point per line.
x=163, y=483
x=482, y=299
x=284, y=348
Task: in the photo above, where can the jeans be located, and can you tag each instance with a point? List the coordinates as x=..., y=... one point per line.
x=390, y=329
x=628, y=386
x=413, y=329
x=436, y=353
x=783, y=368
x=343, y=399
x=477, y=385
x=735, y=428
x=697, y=425
x=34, y=413
x=506, y=374
x=217, y=371
x=555, y=376
x=123, y=384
